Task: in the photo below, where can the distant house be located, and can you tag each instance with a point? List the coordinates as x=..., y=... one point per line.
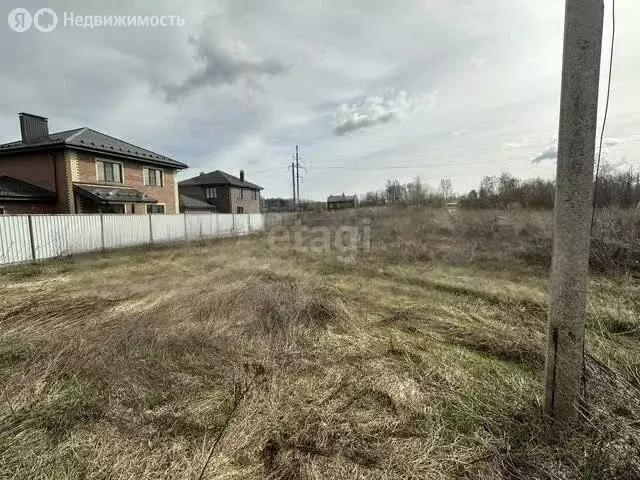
x=193, y=205
x=222, y=191
x=83, y=171
x=335, y=202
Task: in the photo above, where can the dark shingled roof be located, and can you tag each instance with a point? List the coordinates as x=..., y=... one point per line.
x=90, y=140
x=341, y=198
x=112, y=194
x=219, y=178
x=194, y=203
x=14, y=189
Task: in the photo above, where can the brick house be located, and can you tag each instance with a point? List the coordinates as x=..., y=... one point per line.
x=224, y=192
x=83, y=171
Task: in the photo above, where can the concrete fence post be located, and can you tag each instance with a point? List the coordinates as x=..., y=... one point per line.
x=186, y=235
x=31, y=238
x=150, y=230
x=102, y=231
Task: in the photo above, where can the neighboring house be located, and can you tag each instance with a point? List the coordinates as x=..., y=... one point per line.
x=226, y=193
x=18, y=197
x=335, y=202
x=86, y=172
x=193, y=205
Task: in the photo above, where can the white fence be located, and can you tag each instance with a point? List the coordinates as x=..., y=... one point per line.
x=35, y=237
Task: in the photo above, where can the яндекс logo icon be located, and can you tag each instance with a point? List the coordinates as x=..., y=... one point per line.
x=20, y=20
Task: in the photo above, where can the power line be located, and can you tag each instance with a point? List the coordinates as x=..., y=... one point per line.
x=606, y=110
x=423, y=165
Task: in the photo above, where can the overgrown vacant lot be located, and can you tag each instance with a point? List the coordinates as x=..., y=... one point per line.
x=420, y=359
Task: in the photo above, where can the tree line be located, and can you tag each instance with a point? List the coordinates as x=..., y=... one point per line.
x=615, y=188
x=411, y=193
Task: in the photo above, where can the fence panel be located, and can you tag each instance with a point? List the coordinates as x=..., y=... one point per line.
x=225, y=224
x=241, y=224
x=125, y=230
x=59, y=235
x=167, y=228
x=15, y=245
x=257, y=221
x=201, y=226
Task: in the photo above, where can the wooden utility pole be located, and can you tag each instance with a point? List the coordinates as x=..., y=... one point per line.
x=564, y=384
x=293, y=183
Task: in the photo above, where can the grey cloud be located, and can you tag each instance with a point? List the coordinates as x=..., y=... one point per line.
x=516, y=144
x=357, y=123
x=550, y=153
x=379, y=109
x=477, y=62
x=612, y=142
x=222, y=67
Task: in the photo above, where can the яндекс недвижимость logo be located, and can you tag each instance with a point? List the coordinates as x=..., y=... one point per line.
x=46, y=20
x=20, y=20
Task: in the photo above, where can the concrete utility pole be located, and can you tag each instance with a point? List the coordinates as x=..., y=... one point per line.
x=564, y=385
x=293, y=183
x=298, y=172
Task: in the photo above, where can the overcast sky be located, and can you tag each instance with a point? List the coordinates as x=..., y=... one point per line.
x=445, y=88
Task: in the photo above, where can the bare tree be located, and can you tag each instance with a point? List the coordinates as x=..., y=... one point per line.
x=446, y=188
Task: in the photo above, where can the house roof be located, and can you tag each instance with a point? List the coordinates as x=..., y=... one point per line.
x=190, y=202
x=93, y=141
x=14, y=189
x=110, y=194
x=219, y=177
x=341, y=198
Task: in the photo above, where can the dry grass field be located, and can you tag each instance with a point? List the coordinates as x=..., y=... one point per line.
x=420, y=357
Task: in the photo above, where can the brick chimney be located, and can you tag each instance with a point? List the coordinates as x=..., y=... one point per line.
x=242, y=176
x=33, y=128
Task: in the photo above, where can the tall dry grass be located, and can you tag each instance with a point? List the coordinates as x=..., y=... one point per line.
x=489, y=237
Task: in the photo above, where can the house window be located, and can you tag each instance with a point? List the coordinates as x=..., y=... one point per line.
x=153, y=177
x=109, y=172
x=211, y=192
x=155, y=208
x=240, y=210
x=242, y=193
x=255, y=194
